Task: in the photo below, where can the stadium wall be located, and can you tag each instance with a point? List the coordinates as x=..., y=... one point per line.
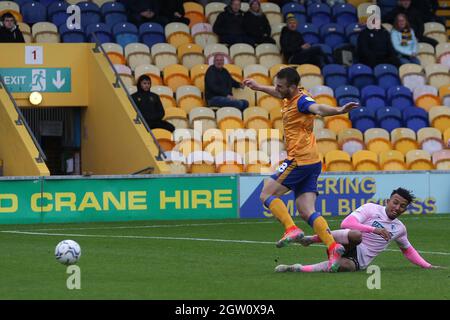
x=158, y=197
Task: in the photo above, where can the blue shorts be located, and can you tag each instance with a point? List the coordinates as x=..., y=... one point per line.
x=300, y=179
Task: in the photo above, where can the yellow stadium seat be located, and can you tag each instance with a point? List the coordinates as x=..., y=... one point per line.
x=125, y=74
x=267, y=101
x=259, y=73
x=412, y=75
x=190, y=55
x=270, y=142
x=326, y=140
x=186, y=146
x=323, y=95
x=350, y=140
x=338, y=160
x=177, y=117
x=114, y=52
x=268, y=55
x=436, y=31
x=164, y=138
x=177, y=33
x=430, y=139
x=444, y=94
x=441, y=159
x=419, y=160
x=256, y=118
x=164, y=54
x=426, y=54
x=439, y=117
x=443, y=53
x=274, y=70
x=176, y=76
x=319, y=123
x=201, y=162
x=150, y=70
x=189, y=97
x=235, y=71
x=212, y=134
x=11, y=7
x=198, y=76
x=365, y=160
x=404, y=140
x=438, y=75
x=194, y=12
x=137, y=54
x=363, y=13
x=166, y=96
x=26, y=30
x=276, y=32
x=338, y=123
x=377, y=140
x=245, y=94
x=217, y=146
x=272, y=12
x=243, y=54
x=211, y=49
x=205, y=116
x=426, y=97
x=392, y=160
x=229, y=162
x=258, y=168
x=447, y=137
x=244, y=146
x=229, y=118
x=212, y=10
x=310, y=76
x=203, y=34
x=45, y=32
x=276, y=118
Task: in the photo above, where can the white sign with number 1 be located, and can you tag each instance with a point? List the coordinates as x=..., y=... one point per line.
x=34, y=55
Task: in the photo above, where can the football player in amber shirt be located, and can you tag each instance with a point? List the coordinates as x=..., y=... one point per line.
x=299, y=172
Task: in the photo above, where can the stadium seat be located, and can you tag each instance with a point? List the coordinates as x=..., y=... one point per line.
x=373, y=96
x=243, y=54
x=335, y=75
x=211, y=49
x=377, y=140
x=205, y=116
x=444, y=94
x=310, y=33
x=245, y=94
x=188, y=97
x=201, y=162
x=426, y=97
x=33, y=12
x=392, y=160
x=430, y=139
x=319, y=123
x=441, y=159
x=361, y=75
x=387, y=76
x=436, y=31
x=90, y=13
x=275, y=69
x=276, y=118
x=114, y=51
x=166, y=96
x=276, y=32
x=125, y=74
x=389, y=118
x=212, y=10
x=198, y=76
x=271, y=142
x=400, y=97
x=365, y=160
x=229, y=162
x=443, y=53
x=164, y=138
x=113, y=12
x=338, y=123
x=150, y=70
x=177, y=117
x=125, y=33
x=212, y=134
x=419, y=160
x=203, y=34
x=412, y=75
x=229, y=118
x=267, y=101
x=338, y=161
x=26, y=32
x=164, y=54
x=57, y=13
x=344, y=14
x=138, y=54
x=346, y=91
x=177, y=33
x=363, y=12
x=257, y=72
x=102, y=33
x=415, y=118
x=151, y=34
x=352, y=32
x=323, y=95
x=426, y=54
x=235, y=72
x=174, y=156
x=272, y=12
x=190, y=55
x=310, y=76
x=326, y=140
x=71, y=35
x=350, y=140
x=295, y=8
x=333, y=35
x=438, y=75
x=176, y=75
x=319, y=14
x=439, y=117
x=187, y=141
x=45, y=32
x=194, y=12
x=404, y=140
x=256, y=118
x=268, y=55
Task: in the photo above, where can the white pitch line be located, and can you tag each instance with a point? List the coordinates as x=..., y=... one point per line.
x=178, y=238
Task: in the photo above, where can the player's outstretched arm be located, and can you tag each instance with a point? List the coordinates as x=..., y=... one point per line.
x=326, y=110
x=252, y=84
x=412, y=255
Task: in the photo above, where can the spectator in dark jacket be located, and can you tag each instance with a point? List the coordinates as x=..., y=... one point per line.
x=219, y=84
x=256, y=24
x=375, y=47
x=173, y=11
x=428, y=10
x=150, y=106
x=229, y=25
x=414, y=17
x=9, y=31
x=142, y=11
x=294, y=48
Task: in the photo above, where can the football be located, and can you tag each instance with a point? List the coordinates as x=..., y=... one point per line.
x=67, y=252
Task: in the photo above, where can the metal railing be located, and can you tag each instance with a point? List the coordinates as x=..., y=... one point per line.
x=21, y=121
x=119, y=83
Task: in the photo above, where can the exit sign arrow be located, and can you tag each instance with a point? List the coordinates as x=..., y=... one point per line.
x=58, y=82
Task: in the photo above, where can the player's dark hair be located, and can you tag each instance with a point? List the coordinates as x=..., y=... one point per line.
x=290, y=74
x=406, y=194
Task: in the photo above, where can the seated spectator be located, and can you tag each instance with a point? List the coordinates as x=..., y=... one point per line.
x=404, y=40
x=256, y=24
x=9, y=31
x=428, y=9
x=414, y=17
x=229, y=25
x=294, y=48
x=219, y=84
x=150, y=106
x=142, y=11
x=173, y=11
x=375, y=47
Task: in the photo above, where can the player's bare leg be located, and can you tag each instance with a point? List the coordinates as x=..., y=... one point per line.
x=345, y=265
x=270, y=194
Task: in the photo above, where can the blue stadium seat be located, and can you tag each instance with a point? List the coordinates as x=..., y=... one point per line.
x=151, y=33
x=22, y=2
x=389, y=118
x=47, y=2
x=310, y=32
x=346, y=91
x=113, y=12
x=373, y=96
x=400, y=97
x=344, y=14
x=33, y=12
x=333, y=35
x=386, y=5
x=325, y=49
x=319, y=14
x=125, y=33
x=102, y=32
x=297, y=9
x=352, y=32
x=57, y=12
x=387, y=75
x=415, y=118
x=71, y=36
x=90, y=13
x=360, y=75
x=335, y=75
x=362, y=119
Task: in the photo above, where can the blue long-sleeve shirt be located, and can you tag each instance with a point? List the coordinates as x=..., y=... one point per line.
x=411, y=46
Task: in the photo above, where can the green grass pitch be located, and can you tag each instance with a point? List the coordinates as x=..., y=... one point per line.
x=228, y=259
